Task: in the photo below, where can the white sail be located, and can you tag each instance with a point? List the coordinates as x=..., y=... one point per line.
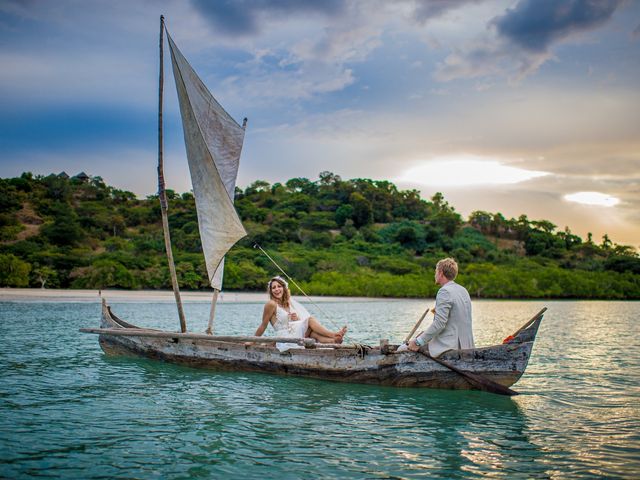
x=214, y=143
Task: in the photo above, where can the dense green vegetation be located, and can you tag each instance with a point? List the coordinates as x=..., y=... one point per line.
x=339, y=237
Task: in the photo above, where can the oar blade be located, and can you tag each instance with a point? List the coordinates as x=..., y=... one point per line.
x=483, y=383
x=478, y=381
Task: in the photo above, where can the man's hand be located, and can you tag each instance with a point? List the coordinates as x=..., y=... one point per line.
x=413, y=346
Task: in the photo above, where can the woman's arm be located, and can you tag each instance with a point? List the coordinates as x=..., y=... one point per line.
x=267, y=313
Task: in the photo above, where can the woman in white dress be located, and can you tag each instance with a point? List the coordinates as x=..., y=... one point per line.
x=290, y=319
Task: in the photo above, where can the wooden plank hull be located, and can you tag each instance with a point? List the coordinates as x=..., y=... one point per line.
x=503, y=364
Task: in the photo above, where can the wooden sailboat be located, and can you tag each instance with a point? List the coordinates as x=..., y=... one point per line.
x=381, y=365
x=214, y=143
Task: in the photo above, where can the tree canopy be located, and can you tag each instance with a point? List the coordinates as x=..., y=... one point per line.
x=340, y=237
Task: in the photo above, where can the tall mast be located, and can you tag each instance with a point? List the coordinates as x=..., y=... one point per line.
x=162, y=194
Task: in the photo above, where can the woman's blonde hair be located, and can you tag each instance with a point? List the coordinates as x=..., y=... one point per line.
x=286, y=294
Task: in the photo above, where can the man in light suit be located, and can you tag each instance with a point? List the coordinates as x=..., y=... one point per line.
x=451, y=327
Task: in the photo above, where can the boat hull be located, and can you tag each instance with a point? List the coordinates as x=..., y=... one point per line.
x=503, y=363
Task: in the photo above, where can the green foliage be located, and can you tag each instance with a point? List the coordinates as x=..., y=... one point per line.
x=13, y=271
x=247, y=210
x=10, y=197
x=57, y=188
x=65, y=228
x=620, y=263
x=96, y=217
x=316, y=239
x=103, y=273
x=295, y=202
x=362, y=211
x=445, y=218
x=333, y=236
x=409, y=234
x=348, y=230
x=155, y=277
x=396, y=266
x=474, y=245
x=344, y=213
x=42, y=276
x=189, y=277
x=529, y=280
x=365, y=283
x=9, y=227
x=141, y=214
x=320, y=221
x=303, y=185
x=244, y=275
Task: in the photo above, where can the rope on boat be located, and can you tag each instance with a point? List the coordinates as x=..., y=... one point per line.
x=333, y=323
x=361, y=349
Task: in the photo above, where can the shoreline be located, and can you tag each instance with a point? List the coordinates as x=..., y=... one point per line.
x=54, y=295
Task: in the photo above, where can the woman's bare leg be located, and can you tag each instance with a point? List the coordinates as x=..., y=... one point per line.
x=320, y=331
x=321, y=338
x=317, y=327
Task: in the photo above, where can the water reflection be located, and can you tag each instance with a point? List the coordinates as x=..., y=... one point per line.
x=67, y=408
x=282, y=422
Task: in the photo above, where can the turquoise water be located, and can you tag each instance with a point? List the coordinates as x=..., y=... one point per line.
x=68, y=411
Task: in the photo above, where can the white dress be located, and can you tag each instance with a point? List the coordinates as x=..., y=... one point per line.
x=284, y=327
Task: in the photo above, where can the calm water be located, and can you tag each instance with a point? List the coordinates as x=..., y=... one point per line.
x=67, y=411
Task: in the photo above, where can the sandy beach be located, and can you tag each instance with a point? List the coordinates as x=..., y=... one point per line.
x=145, y=296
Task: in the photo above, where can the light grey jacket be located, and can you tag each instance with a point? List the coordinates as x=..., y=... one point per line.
x=451, y=327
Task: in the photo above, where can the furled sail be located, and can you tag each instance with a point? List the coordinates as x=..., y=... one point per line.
x=214, y=143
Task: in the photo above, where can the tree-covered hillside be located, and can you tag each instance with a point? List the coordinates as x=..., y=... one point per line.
x=339, y=237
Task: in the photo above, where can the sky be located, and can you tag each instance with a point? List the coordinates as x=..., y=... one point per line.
x=520, y=107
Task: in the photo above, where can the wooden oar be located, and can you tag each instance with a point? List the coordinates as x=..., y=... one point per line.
x=415, y=327
x=478, y=381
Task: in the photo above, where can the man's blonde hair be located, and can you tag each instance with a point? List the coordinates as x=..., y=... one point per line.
x=448, y=267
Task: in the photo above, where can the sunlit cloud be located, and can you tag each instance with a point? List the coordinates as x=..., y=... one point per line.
x=462, y=171
x=593, y=198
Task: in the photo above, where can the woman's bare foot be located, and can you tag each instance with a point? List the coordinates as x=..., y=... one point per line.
x=340, y=335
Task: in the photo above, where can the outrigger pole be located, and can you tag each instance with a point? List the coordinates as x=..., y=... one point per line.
x=162, y=194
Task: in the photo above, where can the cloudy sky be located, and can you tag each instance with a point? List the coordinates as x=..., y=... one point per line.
x=522, y=106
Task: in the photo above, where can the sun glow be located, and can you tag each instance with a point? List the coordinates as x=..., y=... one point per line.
x=593, y=198
x=462, y=171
